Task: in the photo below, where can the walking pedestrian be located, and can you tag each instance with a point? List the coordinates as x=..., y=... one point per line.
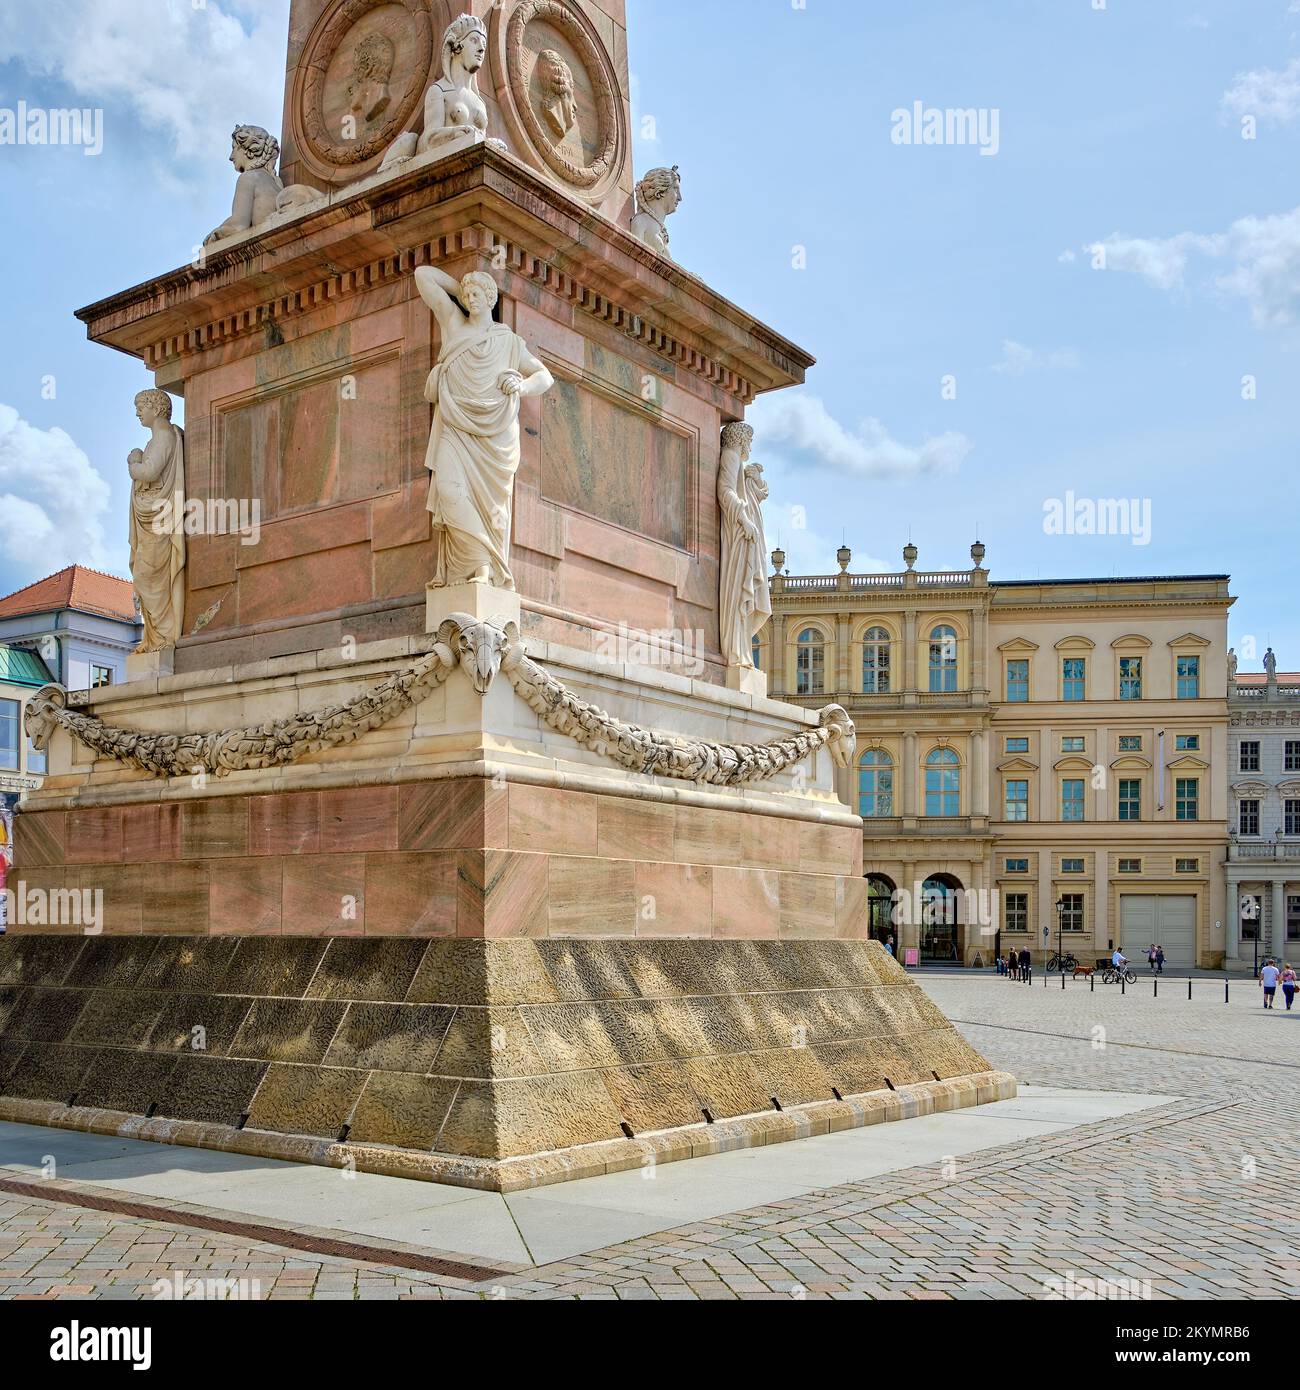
x=1013, y=964
x=1026, y=964
x=1160, y=960
x=1001, y=965
x=1288, y=984
x=1151, y=957
x=1268, y=977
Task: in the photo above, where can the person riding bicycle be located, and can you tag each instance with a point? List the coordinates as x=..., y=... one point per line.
x=1118, y=960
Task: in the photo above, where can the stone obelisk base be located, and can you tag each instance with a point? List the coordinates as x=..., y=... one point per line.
x=496, y=1064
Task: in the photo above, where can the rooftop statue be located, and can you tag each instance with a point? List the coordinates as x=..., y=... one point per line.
x=658, y=196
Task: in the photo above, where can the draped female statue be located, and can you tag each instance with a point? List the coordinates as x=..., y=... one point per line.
x=157, y=531
x=744, y=603
x=482, y=371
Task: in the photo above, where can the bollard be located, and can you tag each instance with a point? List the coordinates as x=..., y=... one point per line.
x=1092, y=983
x=1189, y=989
x=1225, y=989
x=1062, y=979
x=1155, y=987
x=1123, y=983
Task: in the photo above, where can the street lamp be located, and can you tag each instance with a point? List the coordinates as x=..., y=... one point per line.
x=1060, y=936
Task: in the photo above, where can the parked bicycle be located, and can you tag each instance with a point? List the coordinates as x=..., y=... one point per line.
x=1068, y=961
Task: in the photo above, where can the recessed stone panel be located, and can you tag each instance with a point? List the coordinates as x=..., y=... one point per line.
x=404, y=1110
x=116, y=962
x=650, y=1098
x=212, y=1090
x=117, y=1018
x=46, y=1015
x=125, y=1081
x=362, y=968
x=48, y=1072
x=207, y=1023
x=195, y=963
x=280, y=965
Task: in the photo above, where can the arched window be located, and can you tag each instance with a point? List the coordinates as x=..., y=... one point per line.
x=875, y=783
x=810, y=663
x=942, y=783
x=943, y=659
x=875, y=661
x=756, y=652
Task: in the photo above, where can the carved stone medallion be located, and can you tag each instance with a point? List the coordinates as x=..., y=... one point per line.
x=362, y=76
x=561, y=98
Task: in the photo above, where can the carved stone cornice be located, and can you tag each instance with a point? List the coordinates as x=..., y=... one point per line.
x=475, y=202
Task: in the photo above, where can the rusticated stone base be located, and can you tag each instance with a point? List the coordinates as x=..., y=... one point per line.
x=499, y=1063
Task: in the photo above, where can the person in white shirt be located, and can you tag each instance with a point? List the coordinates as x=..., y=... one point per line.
x=1118, y=959
x=1268, y=977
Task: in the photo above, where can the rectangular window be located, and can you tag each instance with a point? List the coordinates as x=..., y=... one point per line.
x=1130, y=678
x=1071, y=911
x=1187, y=866
x=1130, y=743
x=1293, y=916
x=1291, y=817
x=1248, y=817
x=1017, y=681
x=9, y=735
x=1017, y=745
x=100, y=675
x=1073, y=744
x=1072, y=798
x=1189, y=678
x=1187, y=798
x=1130, y=798
x=1130, y=866
x=38, y=762
x=1017, y=866
x=1071, y=866
x=1017, y=799
x=1072, y=678
x=1015, y=910
x=1187, y=743
x=1248, y=755
x=1291, y=756
x=1250, y=914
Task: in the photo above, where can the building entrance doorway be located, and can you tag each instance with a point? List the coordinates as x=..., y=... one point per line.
x=942, y=931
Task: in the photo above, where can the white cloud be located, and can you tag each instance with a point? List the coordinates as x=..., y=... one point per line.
x=1066, y=257
x=1263, y=255
x=1017, y=359
x=52, y=500
x=1266, y=93
x=190, y=73
x=811, y=437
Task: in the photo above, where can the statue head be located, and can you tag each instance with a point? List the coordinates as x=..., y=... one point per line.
x=466, y=40
x=478, y=290
x=40, y=715
x=739, y=436
x=151, y=405
x=251, y=147
x=373, y=59
x=661, y=190
x=554, y=75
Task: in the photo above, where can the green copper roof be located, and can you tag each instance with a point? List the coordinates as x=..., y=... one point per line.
x=18, y=666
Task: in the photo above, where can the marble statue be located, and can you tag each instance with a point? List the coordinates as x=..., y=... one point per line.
x=658, y=196
x=259, y=194
x=1232, y=665
x=1270, y=664
x=454, y=108
x=744, y=603
x=483, y=370
x=559, y=104
x=157, y=531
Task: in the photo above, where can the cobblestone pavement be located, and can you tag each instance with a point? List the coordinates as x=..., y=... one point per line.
x=1187, y=1199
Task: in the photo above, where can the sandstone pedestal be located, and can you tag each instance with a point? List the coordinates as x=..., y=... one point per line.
x=143, y=666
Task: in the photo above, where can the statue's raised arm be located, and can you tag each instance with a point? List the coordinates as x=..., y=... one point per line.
x=438, y=290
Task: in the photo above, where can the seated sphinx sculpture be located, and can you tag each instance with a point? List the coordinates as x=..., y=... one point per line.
x=454, y=108
x=259, y=194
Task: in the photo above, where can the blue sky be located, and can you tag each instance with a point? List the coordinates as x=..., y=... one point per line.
x=1118, y=128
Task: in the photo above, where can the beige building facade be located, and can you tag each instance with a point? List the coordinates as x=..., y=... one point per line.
x=1038, y=762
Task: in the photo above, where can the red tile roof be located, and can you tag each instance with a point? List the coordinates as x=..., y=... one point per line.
x=86, y=590
x=1259, y=677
